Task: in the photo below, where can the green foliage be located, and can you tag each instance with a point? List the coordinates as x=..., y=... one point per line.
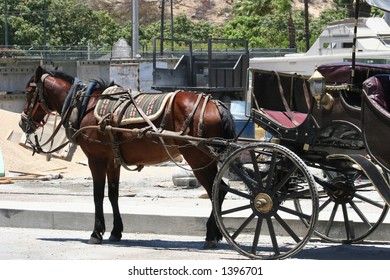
x=316, y=25
x=264, y=23
x=184, y=29
x=252, y=7
x=68, y=23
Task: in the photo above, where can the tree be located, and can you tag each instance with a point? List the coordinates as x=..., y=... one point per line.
x=184, y=28
x=68, y=23
x=252, y=7
x=364, y=8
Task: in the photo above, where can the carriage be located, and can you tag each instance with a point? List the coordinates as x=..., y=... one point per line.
x=322, y=170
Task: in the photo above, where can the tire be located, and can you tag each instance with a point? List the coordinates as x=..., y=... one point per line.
x=260, y=183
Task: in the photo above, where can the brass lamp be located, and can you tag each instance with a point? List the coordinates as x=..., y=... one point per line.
x=317, y=86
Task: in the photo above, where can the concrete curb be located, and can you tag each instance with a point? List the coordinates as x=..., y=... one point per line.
x=162, y=217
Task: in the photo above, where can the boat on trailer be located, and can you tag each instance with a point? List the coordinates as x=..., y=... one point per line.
x=335, y=44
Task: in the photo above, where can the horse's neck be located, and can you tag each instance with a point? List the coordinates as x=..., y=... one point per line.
x=58, y=97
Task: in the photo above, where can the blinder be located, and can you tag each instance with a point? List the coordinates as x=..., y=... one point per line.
x=37, y=102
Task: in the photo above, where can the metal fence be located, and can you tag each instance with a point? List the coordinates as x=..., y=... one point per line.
x=54, y=53
x=61, y=53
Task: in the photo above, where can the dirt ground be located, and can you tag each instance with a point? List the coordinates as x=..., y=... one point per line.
x=74, y=176
x=19, y=158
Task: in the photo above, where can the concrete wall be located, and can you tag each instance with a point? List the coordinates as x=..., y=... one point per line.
x=14, y=74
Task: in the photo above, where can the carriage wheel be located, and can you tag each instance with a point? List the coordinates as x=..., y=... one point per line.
x=258, y=216
x=350, y=207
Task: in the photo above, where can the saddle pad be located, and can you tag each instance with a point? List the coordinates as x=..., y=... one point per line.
x=118, y=100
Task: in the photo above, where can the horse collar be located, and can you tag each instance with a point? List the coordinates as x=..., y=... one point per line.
x=44, y=76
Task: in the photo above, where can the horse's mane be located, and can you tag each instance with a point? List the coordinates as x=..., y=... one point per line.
x=60, y=74
x=100, y=83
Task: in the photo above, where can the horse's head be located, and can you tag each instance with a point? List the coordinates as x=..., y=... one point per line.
x=40, y=103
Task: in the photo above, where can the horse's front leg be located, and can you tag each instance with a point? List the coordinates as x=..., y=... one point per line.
x=113, y=175
x=98, y=170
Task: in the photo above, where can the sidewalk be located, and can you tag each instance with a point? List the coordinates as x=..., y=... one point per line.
x=149, y=203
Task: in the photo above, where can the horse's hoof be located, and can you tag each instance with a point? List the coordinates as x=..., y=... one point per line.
x=113, y=238
x=94, y=241
x=210, y=244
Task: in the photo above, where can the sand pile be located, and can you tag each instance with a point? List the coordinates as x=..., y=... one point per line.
x=19, y=158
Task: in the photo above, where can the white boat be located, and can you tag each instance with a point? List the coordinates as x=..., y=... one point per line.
x=335, y=45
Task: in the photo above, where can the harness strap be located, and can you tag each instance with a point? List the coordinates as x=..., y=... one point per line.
x=115, y=145
x=142, y=113
x=201, y=119
x=69, y=96
x=65, y=111
x=190, y=116
x=288, y=110
x=86, y=99
x=306, y=94
x=117, y=153
x=168, y=111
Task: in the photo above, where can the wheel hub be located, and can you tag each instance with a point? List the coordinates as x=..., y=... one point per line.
x=344, y=194
x=263, y=203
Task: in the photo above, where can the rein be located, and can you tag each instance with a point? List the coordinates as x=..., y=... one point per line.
x=38, y=100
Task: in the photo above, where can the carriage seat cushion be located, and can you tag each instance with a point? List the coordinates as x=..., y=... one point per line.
x=340, y=72
x=377, y=89
x=282, y=119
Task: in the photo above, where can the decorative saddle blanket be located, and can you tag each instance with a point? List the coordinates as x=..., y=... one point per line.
x=116, y=102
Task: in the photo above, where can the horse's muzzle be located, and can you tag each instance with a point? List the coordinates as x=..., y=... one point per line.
x=27, y=126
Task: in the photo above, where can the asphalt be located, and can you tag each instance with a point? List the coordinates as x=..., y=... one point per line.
x=149, y=203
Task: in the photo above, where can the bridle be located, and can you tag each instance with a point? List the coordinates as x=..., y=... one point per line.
x=37, y=102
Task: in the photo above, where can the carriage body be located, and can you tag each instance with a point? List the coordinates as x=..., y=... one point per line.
x=336, y=125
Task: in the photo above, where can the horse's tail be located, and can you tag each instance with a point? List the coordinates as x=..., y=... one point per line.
x=228, y=125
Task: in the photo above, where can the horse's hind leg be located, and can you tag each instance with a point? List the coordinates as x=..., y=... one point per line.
x=205, y=171
x=113, y=174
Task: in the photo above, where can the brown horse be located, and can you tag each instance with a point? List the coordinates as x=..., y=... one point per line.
x=47, y=92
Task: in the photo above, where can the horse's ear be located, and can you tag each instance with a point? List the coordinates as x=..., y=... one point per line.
x=38, y=73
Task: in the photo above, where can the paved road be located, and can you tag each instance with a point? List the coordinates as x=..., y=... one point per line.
x=144, y=253
x=44, y=244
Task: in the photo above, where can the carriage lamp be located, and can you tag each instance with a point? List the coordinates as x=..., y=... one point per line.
x=317, y=86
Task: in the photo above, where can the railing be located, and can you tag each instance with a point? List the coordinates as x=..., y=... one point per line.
x=55, y=53
x=104, y=53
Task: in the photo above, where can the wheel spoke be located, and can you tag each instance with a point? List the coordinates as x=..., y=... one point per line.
x=272, y=234
x=326, y=203
x=256, y=236
x=271, y=169
x=236, y=192
x=363, y=186
x=294, y=212
x=285, y=178
x=248, y=181
x=256, y=169
x=236, y=209
x=360, y=214
x=331, y=219
x=244, y=224
x=370, y=201
x=300, y=194
x=347, y=222
x=287, y=228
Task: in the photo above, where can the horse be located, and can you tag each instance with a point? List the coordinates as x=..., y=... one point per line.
x=186, y=112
